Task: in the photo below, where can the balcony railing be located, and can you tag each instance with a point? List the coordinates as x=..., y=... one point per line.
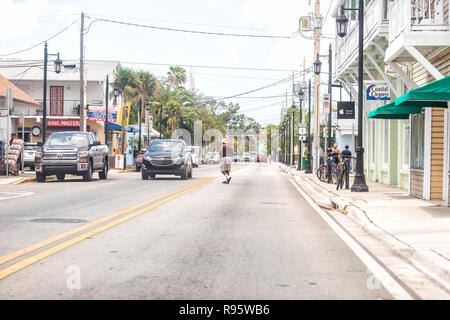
x=416, y=16
x=71, y=108
x=375, y=16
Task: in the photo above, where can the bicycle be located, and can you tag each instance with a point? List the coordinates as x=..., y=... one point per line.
x=343, y=172
x=322, y=171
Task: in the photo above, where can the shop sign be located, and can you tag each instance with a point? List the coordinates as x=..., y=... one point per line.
x=63, y=123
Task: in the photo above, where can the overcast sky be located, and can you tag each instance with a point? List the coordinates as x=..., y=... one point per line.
x=26, y=23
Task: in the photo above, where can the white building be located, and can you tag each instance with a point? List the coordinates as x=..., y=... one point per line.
x=63, y=93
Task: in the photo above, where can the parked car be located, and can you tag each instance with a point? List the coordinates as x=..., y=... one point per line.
x=29, y=154
x=71, y=152
x=138, y=159
x=260, y=158
x=212, y=158
x=196, y=155
x=246, y=157
x=167, y=156
x=253, y=156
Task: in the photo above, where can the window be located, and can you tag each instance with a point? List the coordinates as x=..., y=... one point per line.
x=406, y=135
x=417, y=141
x=386, y=141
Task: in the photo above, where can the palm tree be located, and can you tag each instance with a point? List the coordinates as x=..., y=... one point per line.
x=124, y=79
x=146, y=86
x=176, y=76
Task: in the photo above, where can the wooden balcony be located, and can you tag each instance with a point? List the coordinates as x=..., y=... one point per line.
x=376, y=28
x=420, y=24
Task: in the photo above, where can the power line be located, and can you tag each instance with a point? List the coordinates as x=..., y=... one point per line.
x=208, y=67
x=179, y=22
x=40, y=43
x=191, y=31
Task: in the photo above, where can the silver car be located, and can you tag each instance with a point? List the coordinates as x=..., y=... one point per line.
x=29, y=154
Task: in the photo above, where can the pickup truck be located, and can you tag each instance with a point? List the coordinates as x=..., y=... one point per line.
x=71, y=152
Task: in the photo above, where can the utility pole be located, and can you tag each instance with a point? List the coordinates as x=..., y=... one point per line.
x=140, y=123
x=317, y=31
x=106, y=109
x=82, y=89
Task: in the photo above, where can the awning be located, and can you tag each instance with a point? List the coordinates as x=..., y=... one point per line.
x=117, y=127
x=434, y=94
x=391, y=111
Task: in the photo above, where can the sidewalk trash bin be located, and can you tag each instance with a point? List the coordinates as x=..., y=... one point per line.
x=304, y=162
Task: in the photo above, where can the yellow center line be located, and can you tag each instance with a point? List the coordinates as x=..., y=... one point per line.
x=38, y=245
x=48, y=252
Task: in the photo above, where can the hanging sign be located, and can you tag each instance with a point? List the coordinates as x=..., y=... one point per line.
x=346, y=110
x=378, y=91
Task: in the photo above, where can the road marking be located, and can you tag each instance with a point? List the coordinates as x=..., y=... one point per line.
x=380, y=273
x=63, y=235
x=5, y=195
x=48, y=252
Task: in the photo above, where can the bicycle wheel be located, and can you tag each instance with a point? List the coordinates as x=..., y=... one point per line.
x=340, y=177
x=334, y=174
x=322, y=173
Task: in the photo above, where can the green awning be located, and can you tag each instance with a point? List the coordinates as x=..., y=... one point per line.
x=391, y=111
x=435, y=94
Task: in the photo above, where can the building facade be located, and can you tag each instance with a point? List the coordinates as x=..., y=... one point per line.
x=63, y=96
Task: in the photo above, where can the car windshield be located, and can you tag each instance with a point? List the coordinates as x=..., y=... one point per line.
x=166, y=146
x=67, y=139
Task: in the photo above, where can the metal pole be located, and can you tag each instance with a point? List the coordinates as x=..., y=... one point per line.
x=44, y=97
x=160, y=120
x=140, y=124
x=308, y=162
x=359, y=183
x=293, y=137
x=299, y=166
x=330, y=108
x=82, y=93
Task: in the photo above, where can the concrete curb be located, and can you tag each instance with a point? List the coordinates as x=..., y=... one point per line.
x=427, y=261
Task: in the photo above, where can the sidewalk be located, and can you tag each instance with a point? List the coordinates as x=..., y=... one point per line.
x=26, y=176
x=419, y=229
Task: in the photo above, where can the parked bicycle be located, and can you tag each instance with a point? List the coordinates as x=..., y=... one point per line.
x=344, y=172
x=322, y=172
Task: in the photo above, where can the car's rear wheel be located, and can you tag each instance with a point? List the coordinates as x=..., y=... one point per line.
x=152, y=176
x=60, y=176
x=138, y=168
x=190, y=174
x=144, y=175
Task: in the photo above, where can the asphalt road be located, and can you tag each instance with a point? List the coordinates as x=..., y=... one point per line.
x=125, y=238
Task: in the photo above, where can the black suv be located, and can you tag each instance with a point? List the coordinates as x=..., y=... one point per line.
x=167, y=156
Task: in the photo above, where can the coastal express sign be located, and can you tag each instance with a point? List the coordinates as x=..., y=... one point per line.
x=377, y=91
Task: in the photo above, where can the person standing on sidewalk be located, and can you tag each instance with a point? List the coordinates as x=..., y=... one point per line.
x=226, y=154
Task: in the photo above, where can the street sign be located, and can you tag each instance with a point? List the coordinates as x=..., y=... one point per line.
x=346, y=110
x=326, y=103
x=21, y=119
x=302, y=129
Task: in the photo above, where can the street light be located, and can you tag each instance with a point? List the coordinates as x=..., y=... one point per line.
x=58, y=65
x=342, y=24
x=359, y=183
x=317, y=65
x=299, y=91
x=308, y=161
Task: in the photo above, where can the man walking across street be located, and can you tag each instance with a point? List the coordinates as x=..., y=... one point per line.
x=226, y=154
